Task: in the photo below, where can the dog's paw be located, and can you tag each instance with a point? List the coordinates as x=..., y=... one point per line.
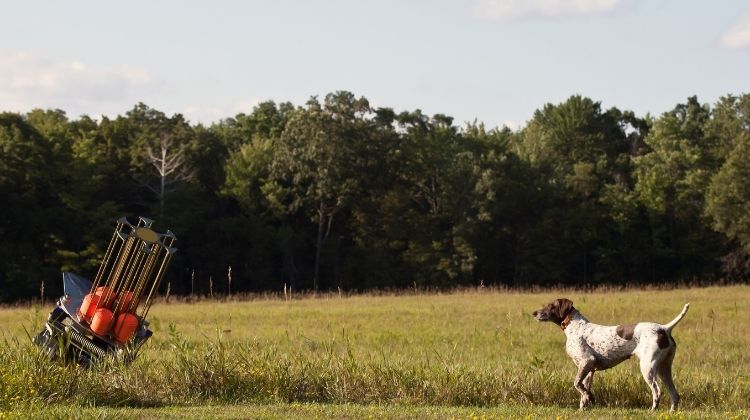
x=586, y=401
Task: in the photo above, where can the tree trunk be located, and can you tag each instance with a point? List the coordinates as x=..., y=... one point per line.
x=318, y=246
x=585, y=264
x=516, y=258
x=161, y=197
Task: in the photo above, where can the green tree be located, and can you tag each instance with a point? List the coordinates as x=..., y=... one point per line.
x=728, y=196
x=671, y=180
x=267, y=120
x=508, y=201
x=582, y=153
x=158, y=151
x=79, y=167
x=318, y=163
x=252, y=142
x=30, y=226
x=436, y=178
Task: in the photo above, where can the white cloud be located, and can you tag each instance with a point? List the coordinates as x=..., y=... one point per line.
x=510, y=124
x=507, y=10
x=29, y=81
x=204, y=115
x=207, y=115
x=245, y=106
x=738, y=35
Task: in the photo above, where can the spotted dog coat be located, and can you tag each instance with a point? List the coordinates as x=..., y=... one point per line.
x=597, y=347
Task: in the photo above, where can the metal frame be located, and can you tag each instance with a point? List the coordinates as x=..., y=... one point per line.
x=134, y=263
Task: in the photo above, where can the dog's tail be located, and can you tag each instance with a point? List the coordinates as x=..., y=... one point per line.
x=675, y=321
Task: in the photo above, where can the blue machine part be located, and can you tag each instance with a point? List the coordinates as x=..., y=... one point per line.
x=75, y=287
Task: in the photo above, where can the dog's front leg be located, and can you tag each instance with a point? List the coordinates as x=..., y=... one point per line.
x=585, y=367
x=587, y=382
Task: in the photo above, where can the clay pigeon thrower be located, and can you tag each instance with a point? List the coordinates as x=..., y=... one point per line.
x=108, y=316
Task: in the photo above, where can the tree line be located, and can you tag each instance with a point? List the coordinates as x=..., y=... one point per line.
x=336, y=194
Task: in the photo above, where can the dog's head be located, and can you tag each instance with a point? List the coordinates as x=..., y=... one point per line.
x=555, y=311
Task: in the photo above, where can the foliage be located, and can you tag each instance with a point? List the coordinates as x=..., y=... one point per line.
x=729, y=194
x=337, y=194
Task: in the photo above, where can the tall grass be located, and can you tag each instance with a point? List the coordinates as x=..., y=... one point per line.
x=463, y=349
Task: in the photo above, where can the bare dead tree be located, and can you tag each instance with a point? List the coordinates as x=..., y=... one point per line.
x=169, y=162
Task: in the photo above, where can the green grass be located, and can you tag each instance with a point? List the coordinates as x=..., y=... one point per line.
x=355, y=411
x=428, y=356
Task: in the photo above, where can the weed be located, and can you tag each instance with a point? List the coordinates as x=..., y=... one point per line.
x=473, y=349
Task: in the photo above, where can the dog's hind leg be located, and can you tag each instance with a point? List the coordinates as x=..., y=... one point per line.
x=648, y=370
x=665, y=374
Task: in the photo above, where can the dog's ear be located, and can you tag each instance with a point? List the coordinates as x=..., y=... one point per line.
x=564, y=307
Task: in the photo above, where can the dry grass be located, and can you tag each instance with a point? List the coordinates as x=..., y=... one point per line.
x=472, y=348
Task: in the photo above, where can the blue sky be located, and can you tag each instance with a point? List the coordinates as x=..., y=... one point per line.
x=491, y=60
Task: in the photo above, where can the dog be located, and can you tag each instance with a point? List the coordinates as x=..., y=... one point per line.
x=597, y=347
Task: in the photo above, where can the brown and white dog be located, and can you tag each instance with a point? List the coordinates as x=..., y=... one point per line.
x=597, y=347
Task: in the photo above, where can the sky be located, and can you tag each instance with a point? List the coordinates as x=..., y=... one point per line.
x=493, y=61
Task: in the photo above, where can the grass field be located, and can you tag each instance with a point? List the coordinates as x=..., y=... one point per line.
x=466, y=355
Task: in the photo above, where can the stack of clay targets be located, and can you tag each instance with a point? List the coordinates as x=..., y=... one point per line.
x=133, y=266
